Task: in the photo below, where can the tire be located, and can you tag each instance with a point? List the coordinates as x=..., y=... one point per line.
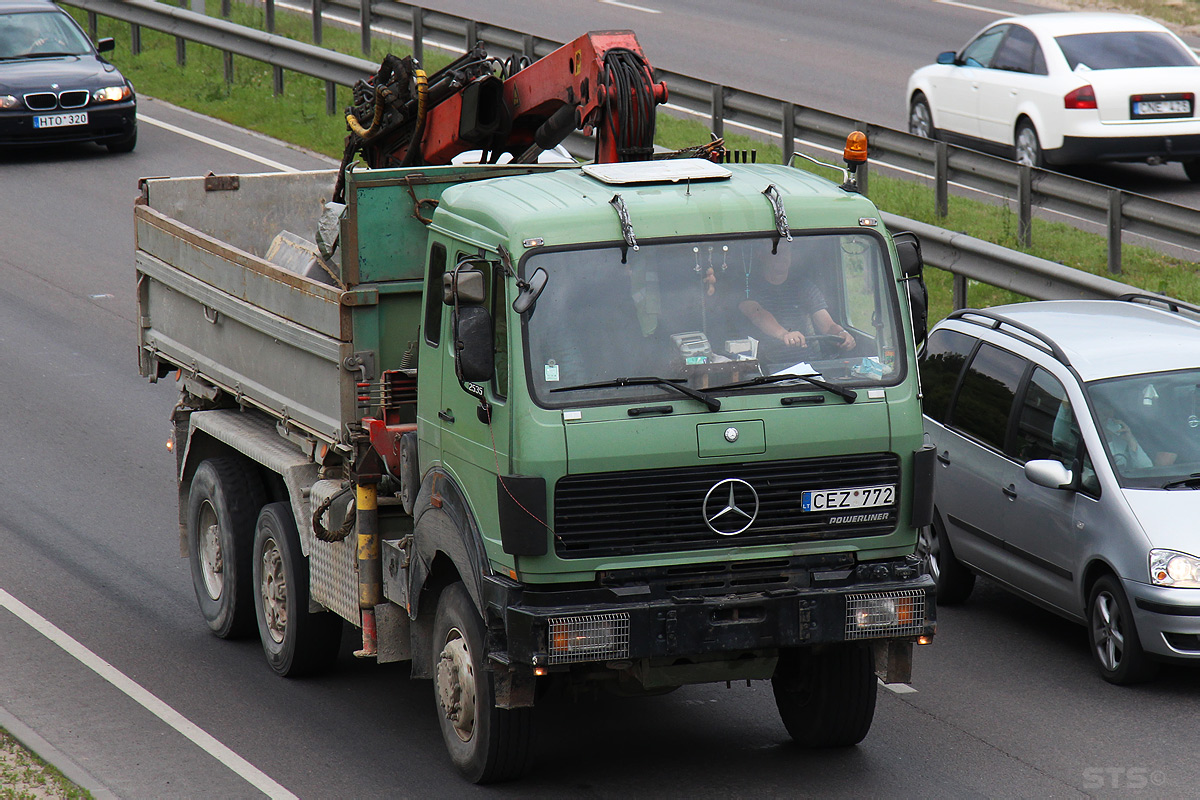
x=1113, y=635
x=296, y=642
x=1027, y=146
x=826, y=699
x=125, y=145
x=486, y=744
x=953, y=580
x=920, y=118
x=223, y=505
x=1192, y=169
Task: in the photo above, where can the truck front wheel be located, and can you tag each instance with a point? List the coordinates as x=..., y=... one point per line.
x=826, y=698
x=223, y=504
x=295, y=642
x=486, y=744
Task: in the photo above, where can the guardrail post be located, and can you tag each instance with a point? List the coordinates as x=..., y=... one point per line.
x=789, y=132
x=472, y=34
x=330, y=98
x=1024, y=204
x=864, y=171
x=226, y=8
x=364, y=19
x=941, y=178
x=718, y=110
x=91, y=22
x=227, y=63
x=278, y=80
x=527, y=48
x=269, y=10
x=318, y=7
x=181, y=43
x=959, y=293
x=135, y=38
x=1114, y=231
x=418, y=34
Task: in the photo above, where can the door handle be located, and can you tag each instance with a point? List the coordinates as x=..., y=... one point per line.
x=1010, y=491
x=446, y=415
x=944, y=457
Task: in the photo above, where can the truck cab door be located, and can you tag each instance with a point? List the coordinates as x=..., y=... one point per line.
x=435, y=343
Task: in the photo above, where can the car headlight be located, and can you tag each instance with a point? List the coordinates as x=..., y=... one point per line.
x=112, y=94
x=1172, y=568
x=8, y=101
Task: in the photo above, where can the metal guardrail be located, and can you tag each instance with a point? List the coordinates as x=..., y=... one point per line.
x=967, y=258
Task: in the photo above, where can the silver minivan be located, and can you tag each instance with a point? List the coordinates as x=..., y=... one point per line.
x=1068, y=463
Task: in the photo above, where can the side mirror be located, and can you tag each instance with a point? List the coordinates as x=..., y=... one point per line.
x=1049, y=473
x=949, y=58
x=105, y=45
x=918, y=303
x=466, y=285
x=908, y=248
x=912, y=268
x=474, y=347
x=531, y=291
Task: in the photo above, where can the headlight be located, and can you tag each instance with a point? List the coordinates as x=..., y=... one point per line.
x=1172, y=568
x=8, y=101
x=112, y=94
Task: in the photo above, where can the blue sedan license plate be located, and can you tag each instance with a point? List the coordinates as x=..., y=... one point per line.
x=60, y=120
x=838, y=499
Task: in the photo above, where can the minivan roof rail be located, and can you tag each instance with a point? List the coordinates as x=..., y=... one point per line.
x=990, y=319
x=1167, y=303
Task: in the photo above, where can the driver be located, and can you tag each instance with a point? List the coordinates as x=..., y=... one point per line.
x=780, y=302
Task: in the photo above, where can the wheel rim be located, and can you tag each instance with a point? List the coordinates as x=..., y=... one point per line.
x=456, y=684
x=1107, y=637
x=212, y=561
x=919, y=121
x=273, y=588
x=1027, y=147
x=930, y=551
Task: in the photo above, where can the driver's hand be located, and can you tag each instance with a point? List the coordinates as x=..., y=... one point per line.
x=847, y=342
x=793, y=339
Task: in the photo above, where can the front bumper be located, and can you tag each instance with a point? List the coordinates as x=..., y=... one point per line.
x=1168, y=620
x=549, y=628
x=108, y=122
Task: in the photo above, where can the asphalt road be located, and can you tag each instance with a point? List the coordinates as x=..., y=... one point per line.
x=1006, y=702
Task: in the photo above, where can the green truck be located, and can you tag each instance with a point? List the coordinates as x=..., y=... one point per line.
x=530, y=425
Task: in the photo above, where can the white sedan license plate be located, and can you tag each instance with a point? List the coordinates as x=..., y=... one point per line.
x=838, y=499
x=60, y=120
x=1157, y=108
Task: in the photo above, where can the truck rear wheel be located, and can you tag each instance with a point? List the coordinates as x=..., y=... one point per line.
x=296, y=642
x=486, y=744
x=223, y=504
x=827, y=698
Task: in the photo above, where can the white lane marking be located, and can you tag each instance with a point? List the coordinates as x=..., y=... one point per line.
x=630, y=6
x=984, y=9
x=214, y=143
x=206, y=742
x=898, y=688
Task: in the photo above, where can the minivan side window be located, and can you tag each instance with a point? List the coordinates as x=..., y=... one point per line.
x=1046, y=425
x=985, y=400
x=940, y=365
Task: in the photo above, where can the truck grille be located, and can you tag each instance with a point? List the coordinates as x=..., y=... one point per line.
x=659, y=510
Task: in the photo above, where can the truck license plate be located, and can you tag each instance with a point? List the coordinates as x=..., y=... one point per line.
x=838, y=499
x=61, y=120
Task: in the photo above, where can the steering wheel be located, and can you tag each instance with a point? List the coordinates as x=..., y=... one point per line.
x=823, y=342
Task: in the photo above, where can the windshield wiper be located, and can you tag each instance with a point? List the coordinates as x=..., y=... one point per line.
x=47, y=55
x=1192, y=482
x=713, y=403
x=849, y=395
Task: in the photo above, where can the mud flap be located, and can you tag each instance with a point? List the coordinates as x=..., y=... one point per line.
x=893, y=660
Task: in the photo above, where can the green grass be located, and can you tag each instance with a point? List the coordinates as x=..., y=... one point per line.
x=298, y=116
x=24, y=776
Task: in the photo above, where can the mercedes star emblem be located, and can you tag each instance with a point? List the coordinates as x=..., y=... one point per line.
x=731, y=435
x=728, y=513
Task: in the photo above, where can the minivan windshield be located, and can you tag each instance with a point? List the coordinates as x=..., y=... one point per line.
x=1150, y=425
x=713, y=315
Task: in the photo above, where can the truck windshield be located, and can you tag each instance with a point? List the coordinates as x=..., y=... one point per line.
x=713, y=315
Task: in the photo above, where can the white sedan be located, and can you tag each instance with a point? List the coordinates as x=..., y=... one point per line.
x=1065, y=88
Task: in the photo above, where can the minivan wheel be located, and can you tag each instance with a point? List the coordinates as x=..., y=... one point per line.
x=1114, y=637
x=953, y=580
